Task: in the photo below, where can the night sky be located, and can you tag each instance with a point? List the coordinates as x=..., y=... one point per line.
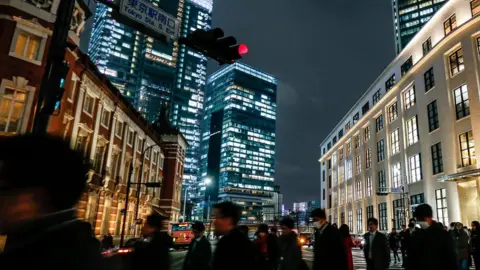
x=325, y=53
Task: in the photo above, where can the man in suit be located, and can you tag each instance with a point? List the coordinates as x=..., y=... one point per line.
x=376, y=251
x=200, y=251
x=329, y=250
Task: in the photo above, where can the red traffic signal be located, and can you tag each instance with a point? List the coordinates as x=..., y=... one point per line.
x=242, y=49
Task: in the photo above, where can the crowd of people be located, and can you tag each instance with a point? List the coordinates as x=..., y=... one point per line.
x=42, y=179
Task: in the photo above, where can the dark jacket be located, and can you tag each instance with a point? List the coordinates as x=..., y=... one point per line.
x=329, y=250
x=393, y=240
x=58, y=242
x=156, y=252
x=234, y=251
x=290, y=252
x=460, y=239
x=273, y=248
x=430, y=249
x=475, y=242
x=199, y=255
x=380, y=251
x=404, y=239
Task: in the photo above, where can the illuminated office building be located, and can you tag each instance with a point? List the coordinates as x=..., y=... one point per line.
x=238, y=141
x=409, y=16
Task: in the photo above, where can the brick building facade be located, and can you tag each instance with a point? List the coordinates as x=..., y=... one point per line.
x=93, y=117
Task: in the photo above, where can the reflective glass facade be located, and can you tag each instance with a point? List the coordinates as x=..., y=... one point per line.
x=238, y=140
x=410, y=16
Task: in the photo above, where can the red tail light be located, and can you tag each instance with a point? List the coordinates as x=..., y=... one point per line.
x=124, y=250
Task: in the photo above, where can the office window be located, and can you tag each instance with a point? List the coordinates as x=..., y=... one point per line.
x=409, y=98
x=366, y=133
x=349, y=171
x=380, y=150
x=359, y=189
x=412, y=131
x=396, y=176
x=350, y=220
x=347, y=127
x=12, y=111
x=370, y=213
x=467, y=149
x=433, y=122
x=427, y=46
x=437, y=158
x=358, y=164
x=382, y=181
x=415, y=168
x=376, y=97
x=356, y=140
x=369, y=188
x=442, y=208
x=368, y=158
x=417, y=199
x=382, y=212
x=88, y=104
x=395, y=142
x=359, y=220
x=356, y=117
x=390, y=83
x=406, y=66
x=462, y=104
x=456, y=62
x=350, y=193
x=28, y=46
x=450, y=24
x=392, y=112
x=349, y=148
x=119, y=129
x=475, y=5
x=398, y=215
x=365, y=108
x=105, y=119
x=429, y=79
x=379, y=123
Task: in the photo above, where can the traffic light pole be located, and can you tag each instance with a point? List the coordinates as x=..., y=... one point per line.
x=55, y=64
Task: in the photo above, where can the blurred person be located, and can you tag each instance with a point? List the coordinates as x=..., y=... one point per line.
x=475, y=244
x=199, y=252
x=41, y=181
x=430, y=247
x=244, y=229
x=156, y=249
x=404, y=236
x=260, y=247
x=107, y=242
x=273, y=249
x=329, y=249
x=460, y=239
x=290, y=250
x=347, y=243
x=234, y=251
x=393, y=243
x=376, y=252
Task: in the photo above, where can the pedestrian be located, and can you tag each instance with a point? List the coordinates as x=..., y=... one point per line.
x=460, y=238
x=244, y=229
x=376, y=252
x=404, y=236
x=475, y=244
x=430, y=247
x=41, y=181
x=260, y=247
x=290, y=250
x=234, y=250
x=156, y=248
x=347, y=244
x=393, y=243
x=273, y=249
x=328, y=248
x=199, y=252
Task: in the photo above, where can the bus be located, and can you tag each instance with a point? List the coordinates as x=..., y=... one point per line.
x=182, y=234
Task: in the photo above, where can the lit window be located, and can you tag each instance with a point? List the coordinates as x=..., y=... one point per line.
x=366, y=133
x=450, y=24
x=467, y=149
x=406, y=66
x=12, y=110
x=395, y=142
x=415, y=168
x=368, y=158
x=350, y=220
x=382, y=211
x=382, y=181
x=28, y=46
x=359, y=220
x=379, y=123
x=88, y=104
x=392, y=112
x=462, y=104
x=131, y=137
x=119, y=129
x=456, y=62
x=105, y=120
x=441, y=203
x=412, y=131
x=358, y=164
x=380, y=150
x=356, y=139
x=369, y=188
x=396, y=176
x=475, y=5
x=390, y=83
x=409, y=98
x=358, y=188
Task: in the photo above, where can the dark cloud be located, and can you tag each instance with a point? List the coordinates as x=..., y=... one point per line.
x=325, y=54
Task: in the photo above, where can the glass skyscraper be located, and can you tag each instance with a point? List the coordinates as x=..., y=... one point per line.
x=409, y=16
x=238, y=141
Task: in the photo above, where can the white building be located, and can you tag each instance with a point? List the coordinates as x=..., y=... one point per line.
x=416, y=128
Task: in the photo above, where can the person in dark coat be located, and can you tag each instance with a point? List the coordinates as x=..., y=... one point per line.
x=329, y=249
x=156, y=250
x=260, y=247
x=273, y=249
x=404, y=236
x=475, y=243
x=290, y=250
x=199, y=252
x=393, y=244
x=376, y=251
x=430, y=247
x=234, y=251
x=41, y=181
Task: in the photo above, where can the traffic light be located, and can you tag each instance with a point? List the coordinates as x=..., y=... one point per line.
x=213, y=44
x=54, y=98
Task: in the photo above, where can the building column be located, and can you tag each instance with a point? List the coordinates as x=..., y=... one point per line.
x=110, y=145
x=78, y=113
x=124, y=152
x=98, y=115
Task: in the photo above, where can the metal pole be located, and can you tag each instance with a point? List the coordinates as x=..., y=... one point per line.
x=56, y=56
x=124, y=221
